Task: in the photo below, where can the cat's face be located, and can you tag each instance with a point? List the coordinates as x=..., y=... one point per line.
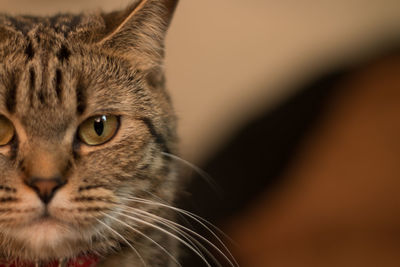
x=85, y=123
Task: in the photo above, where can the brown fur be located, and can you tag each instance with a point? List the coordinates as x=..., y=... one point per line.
x=56, y=72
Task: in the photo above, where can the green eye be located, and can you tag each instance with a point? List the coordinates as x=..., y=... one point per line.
x=6, y=131
x=98, y=130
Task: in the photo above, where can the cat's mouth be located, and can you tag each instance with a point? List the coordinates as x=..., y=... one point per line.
x=47, y=220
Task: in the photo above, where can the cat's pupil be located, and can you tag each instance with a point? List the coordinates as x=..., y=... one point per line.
x=99, y=125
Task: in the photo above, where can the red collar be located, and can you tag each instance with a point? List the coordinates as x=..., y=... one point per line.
x=81, y=261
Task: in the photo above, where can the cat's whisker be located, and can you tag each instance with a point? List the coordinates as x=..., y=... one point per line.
x=169, y=234
x=176, y=227
x=181, y=227
x=203, y=222
x=187, y=237
x=194, y=217
x=165, y=202
x=144, y=235
x=184, y=235
x=190, y=238
x=124, y=239
x=203, y=174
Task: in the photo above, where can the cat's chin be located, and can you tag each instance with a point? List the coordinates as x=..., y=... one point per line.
x=46, y=239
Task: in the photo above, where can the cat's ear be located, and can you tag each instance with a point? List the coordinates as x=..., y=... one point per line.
x=140, y=29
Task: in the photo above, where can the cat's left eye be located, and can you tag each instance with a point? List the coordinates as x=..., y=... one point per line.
x=6, y=131
x=98, y=130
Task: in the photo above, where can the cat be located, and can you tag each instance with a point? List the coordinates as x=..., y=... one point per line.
x=87, y=130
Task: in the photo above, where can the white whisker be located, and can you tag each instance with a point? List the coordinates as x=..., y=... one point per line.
x=193, y=217
x=144, y=235
x=170, y=234
x=207, y=178
x=176, y=227
x=166, y=203
x=126, y=241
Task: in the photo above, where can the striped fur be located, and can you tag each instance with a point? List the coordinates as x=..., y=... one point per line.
x=55, y=72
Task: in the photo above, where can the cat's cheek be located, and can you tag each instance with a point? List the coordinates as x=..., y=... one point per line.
x=61, y=207
x=80, y=210
x=28, y=208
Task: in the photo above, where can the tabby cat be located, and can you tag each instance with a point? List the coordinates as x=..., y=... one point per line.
x=87, y=134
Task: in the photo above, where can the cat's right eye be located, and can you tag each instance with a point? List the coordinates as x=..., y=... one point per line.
x=7, y=131
x=98, y=130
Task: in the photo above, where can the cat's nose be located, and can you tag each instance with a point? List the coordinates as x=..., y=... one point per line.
x=45, y=187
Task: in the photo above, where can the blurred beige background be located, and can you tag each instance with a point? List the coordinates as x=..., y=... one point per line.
x=227, y=59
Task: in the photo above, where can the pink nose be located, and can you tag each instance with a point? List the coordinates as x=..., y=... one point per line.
x=45, y=187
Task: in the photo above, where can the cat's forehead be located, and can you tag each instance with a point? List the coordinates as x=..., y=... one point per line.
x=63, y=24
x=49, y=78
